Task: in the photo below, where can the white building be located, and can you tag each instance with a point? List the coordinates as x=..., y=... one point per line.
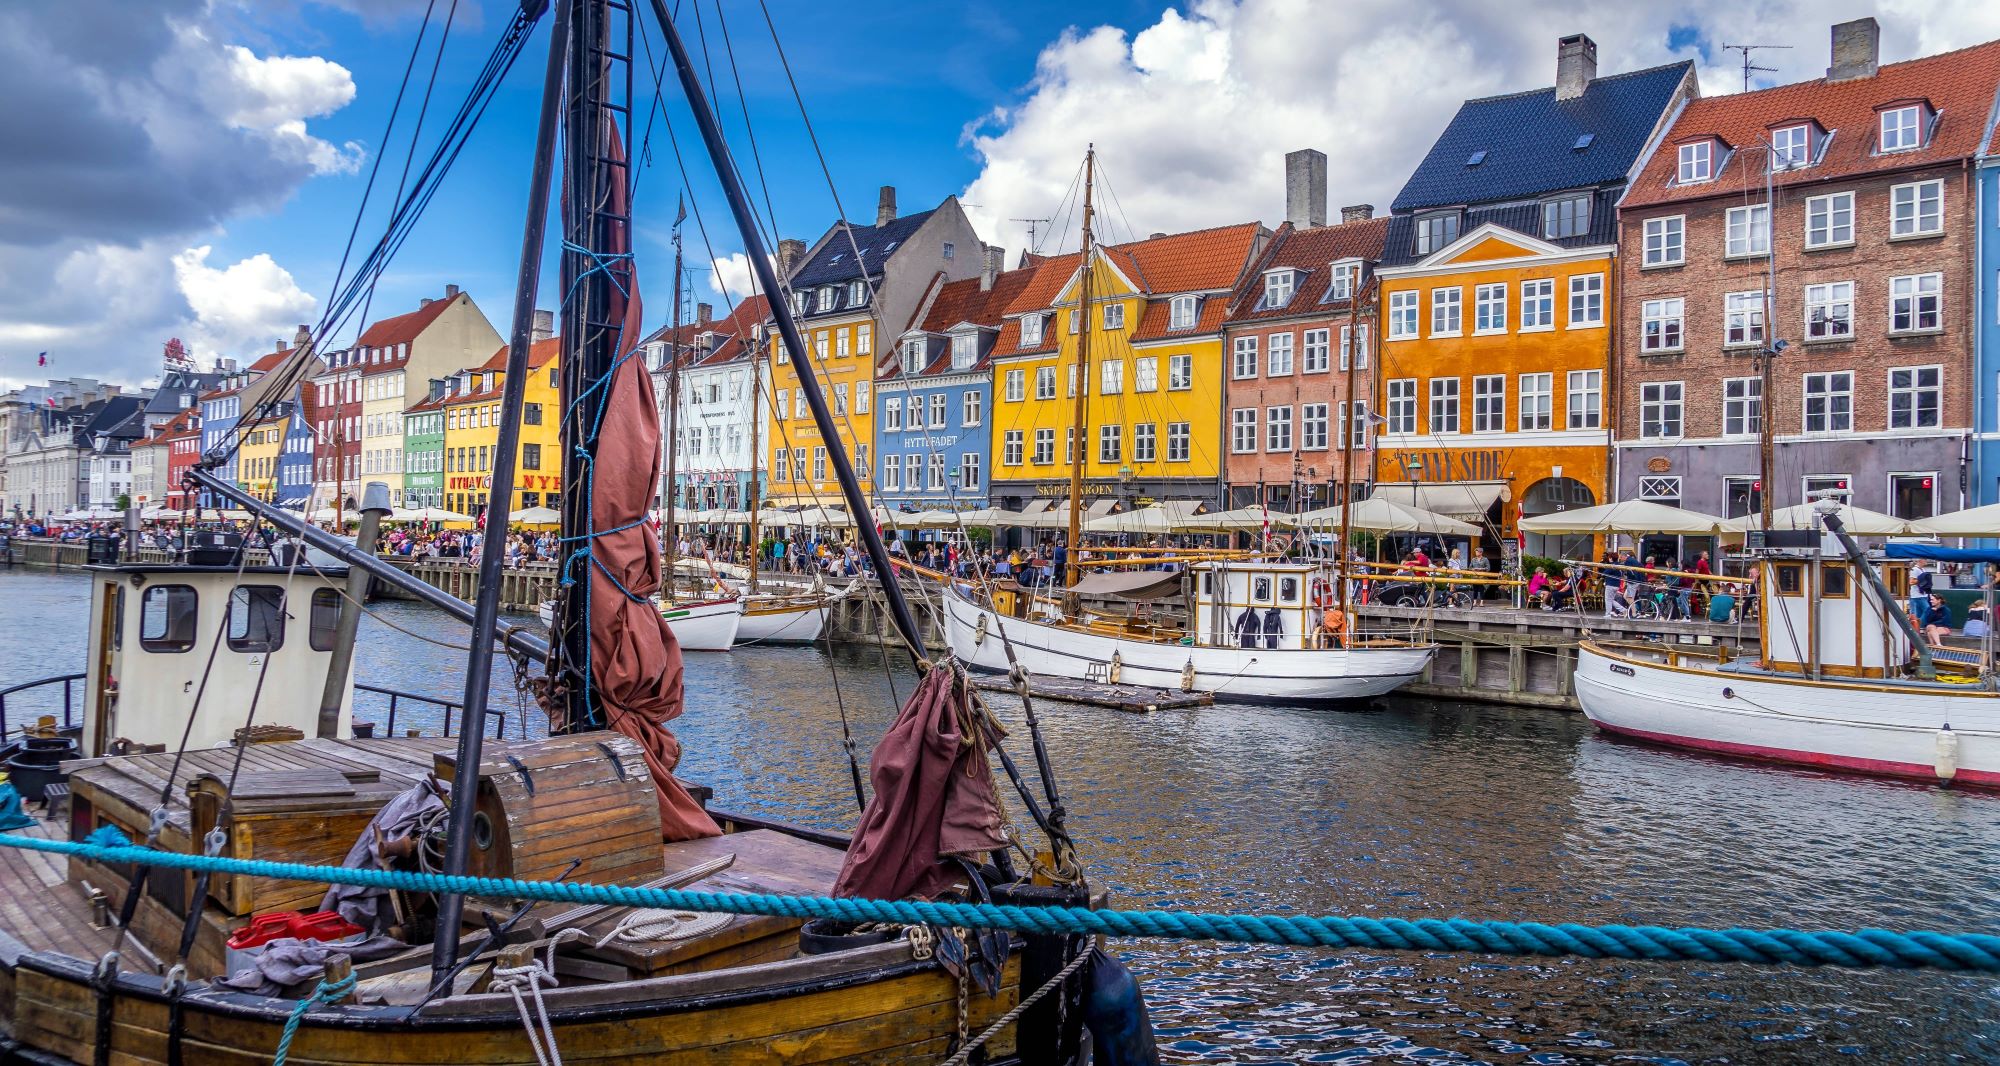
x=715, y=463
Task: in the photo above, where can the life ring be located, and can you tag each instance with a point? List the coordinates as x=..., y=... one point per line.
x=1322, y=593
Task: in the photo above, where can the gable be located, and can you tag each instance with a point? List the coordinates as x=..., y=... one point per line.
x=1493, y=246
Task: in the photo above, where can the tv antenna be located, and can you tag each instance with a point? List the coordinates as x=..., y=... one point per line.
x=1749, y=66
x=1032, y=223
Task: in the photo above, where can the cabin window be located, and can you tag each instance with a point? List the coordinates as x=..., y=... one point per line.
x=325, y=619
x=1260, y=590
x=166, y=618
x=256, y=618
x=1288, y=591
x=118, y=618
x=1898, y=580
x=1790, y=578
x=1833, y=581
x=1208, y=585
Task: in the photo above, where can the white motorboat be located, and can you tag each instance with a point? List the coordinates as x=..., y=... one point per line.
x=1831, y=689
x=709, y=625
x=1279, y=659
x=786, y=618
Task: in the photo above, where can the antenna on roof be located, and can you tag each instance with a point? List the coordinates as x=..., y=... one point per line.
x=1032, y=223
x=1748, y=66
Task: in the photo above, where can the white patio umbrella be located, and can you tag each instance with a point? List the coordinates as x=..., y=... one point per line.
x=1973, y=522
x=436, y=514
x=1378, y=515
x=1239, y=520
x=1859, y=521
x=1627, y=516
x=536, y=516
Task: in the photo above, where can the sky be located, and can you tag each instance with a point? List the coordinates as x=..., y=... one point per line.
x=194, y=168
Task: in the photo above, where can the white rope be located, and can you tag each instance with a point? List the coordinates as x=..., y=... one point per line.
x=531, y=977
x=644, y=925
x=1008, y=1018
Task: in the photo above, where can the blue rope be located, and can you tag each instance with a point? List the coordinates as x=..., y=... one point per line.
x=325, y=993
x=1977, y=952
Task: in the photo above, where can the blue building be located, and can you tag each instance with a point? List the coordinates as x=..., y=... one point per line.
x=934, y=390
x=295, y=457
x=1986, y=327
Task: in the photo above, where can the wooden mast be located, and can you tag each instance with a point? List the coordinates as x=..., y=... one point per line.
x=1080, y=411
x=672, y=437
x=756, y=447
x=1346, y=431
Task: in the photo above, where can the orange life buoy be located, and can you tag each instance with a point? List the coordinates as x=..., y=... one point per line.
x=1322, y=593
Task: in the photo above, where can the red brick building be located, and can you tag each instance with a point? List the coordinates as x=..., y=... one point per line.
x=1868, y=231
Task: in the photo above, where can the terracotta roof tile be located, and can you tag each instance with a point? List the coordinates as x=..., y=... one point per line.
x=404, y=328
x=1960, y=85
x=1314, y=251
x=1206, y=260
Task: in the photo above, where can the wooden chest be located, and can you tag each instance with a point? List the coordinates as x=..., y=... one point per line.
x=300, y=815
x=544, y=803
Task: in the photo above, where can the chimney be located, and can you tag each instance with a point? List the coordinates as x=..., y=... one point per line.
x=450, y=291
x=885, y=206
x=302, y=336
x=790, y=251
x=544, y=326
x=1357, y=212
x=703, y=314
x=277, y=346
x=993, y=264
x=1305, y=188
x=425, y=302
x=1156, y=235
x=1857, y=50
x=1576, y=65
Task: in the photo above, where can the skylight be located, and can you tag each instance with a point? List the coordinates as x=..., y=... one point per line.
x=1476, y=158
x=1583, y=141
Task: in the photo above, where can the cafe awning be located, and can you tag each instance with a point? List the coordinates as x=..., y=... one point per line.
x=1471, y=501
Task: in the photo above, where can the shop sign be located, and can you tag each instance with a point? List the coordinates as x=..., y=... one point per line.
x=1441, y=466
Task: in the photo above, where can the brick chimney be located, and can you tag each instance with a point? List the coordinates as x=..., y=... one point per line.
x=425, y=302
x=790, y=252
x=1305, y=188
x=302, y=336
x=994, y=264
x=1857, y=50
x=704, y=314
x=450, y=291
x=1576, y=65
x=885, y=206
x=544, y=326
x=1357, y=212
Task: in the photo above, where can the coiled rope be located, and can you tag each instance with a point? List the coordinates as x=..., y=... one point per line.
x=1975, y=952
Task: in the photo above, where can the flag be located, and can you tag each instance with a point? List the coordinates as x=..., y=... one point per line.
x=42, y=360
x=681, y=214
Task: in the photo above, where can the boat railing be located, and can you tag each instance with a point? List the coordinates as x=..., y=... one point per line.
x=14, y=692
x=450, y=709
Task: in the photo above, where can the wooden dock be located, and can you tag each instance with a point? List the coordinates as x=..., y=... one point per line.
x=1137, y=699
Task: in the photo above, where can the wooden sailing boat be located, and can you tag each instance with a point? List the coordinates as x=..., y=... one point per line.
x=1253, y=626
x=193, y=647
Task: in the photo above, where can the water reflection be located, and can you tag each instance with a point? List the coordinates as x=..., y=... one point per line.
x=1405, y=808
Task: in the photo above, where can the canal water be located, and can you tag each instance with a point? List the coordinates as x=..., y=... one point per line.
x=1402, y=808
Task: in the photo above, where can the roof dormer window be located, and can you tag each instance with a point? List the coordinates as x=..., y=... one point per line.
x=1902, y=128
x=1435, y=231
x=1181, y=311
x=1031, y=330
x=1340, y=285
x=857, y=293
x=913, y=355
x=1697, y=162
x=1792, y=147
x=1278, y=287
x=964, y=351
x=825, y=298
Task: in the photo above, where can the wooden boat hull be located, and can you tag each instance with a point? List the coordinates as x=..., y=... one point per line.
x=709, y=626
x=1849, y=725
x=783, y=619
x=1231, y=673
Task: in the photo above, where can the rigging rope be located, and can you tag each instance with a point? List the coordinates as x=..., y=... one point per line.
x=1918, y=949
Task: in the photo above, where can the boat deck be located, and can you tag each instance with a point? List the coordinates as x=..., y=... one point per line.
x=40, y=907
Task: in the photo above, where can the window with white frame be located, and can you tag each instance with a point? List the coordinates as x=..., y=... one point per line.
x=1278, y=355
x=1045, y=383
x=939, y=419
x=1075, y=316
x=1537, y=402
x=1016, y=385
x=1114, y=316
x=1916, y=303
x=1436, y=231
x=1666, y=241
x=1835, y=486
x=1742, y=406
x=1312, y=426
x=1010, y=446
x=1144, y=442
x=1489, y=403
x=1402, y=315
x=1916, y=209
x=1830, y=311
x=1586, y=300
x=1313, y=351
x=861, y=397
x=972, y=405
x=1791, y=147
x=1902, y=129
x=1538, y=304
x=1278, y=429
x=1181, y=312
x=1447, y=312
x=1402, y=411
x=1180, y=373
x=1661, y=324
x=819, y=464
x=840, y=398
x=1489, y=308
x=857, y=291
x=1916, y=395
x=1031, y=330
x=892, y=473
x=1072, y=381
x=1444, y=405
x=1341, y=284
x=799, y=404
x=916, y=412
x=1146, y=373
x=1830, y=220
x=1045, y=446
x=1244, y=361
x=1243, y=430
x=864, y=339
x=1660, y=409
x=1566, y=217
x=1697, y=162
x=964, y=350
x=1111, y=377
x=937, y=472
x=840, y=344
x=1586, y=399
x=1829, y=406
x=913, y=472
x=1913, y=496
x=1742, y=318
x=1278, y=287
x=826, y=298
x=968, y=472
x=1180, y=441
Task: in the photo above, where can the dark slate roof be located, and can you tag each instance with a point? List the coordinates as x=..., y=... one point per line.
x=1530, y=140
x=834, y=262
x=166, y=399
x=1399, y=248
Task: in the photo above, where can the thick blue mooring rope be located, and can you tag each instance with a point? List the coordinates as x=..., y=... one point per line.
x=1978, y=952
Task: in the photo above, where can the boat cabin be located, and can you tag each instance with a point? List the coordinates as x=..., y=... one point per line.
x=1255, y=604
x=164, y=634
x=1821, y=618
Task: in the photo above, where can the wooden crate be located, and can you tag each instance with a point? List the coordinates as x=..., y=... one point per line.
x=303, y=815
x=541, y=804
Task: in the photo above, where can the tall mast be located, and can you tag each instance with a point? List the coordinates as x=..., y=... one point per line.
x=1346, y=432
x=1766, y=417
x=672, y=436
x=756, y=445
x=1080, y=410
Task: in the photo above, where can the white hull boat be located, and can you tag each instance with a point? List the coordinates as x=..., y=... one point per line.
x=784, y=619
x=1282, y=674
x=706, y=626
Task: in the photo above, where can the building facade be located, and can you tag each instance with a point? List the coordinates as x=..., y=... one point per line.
x=1869, y=232
x=337, y=431
x=397, y=357
x=423, y=449
x=725, y=391
x=261, y=440
x=1497, y=296
x=295, y=452
x=1986, y=325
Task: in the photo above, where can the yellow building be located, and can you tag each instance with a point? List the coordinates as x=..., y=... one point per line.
x=1155, y=384
x=471, y=406
x=257, y=458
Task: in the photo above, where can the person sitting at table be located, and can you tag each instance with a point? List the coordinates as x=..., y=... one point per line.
x=1721, y=606
x=1935, y=620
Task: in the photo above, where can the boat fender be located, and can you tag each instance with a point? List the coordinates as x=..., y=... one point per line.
x=1947, y=754
x=979, y=635
x=1117, y=667
x=1115, y=1011
x=11, y=815
x=1187, y=675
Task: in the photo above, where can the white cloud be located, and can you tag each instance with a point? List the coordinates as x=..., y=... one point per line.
x=730, y=278
x=1193, y=114
x=245, y=305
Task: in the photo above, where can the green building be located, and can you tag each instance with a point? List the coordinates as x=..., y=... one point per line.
x=423, y=452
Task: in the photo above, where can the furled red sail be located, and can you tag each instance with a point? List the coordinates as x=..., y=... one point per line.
x=635, y=663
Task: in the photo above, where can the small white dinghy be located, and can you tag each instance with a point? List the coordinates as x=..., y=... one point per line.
x=709, y=625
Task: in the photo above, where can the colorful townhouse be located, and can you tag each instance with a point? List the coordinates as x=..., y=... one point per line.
x=1869, y=230
x=1497, y=288
x=223, y=408
x=441, y=336
x=1301, y=337
x=337, y=431
x=423, y=448
x=262, y=437
x=724, y=392
x=855, y=286
x=934, y=393
x=1155, y=386
x=1986, y=324
x=470, y=410
x=182, y=436
x=295, y=452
